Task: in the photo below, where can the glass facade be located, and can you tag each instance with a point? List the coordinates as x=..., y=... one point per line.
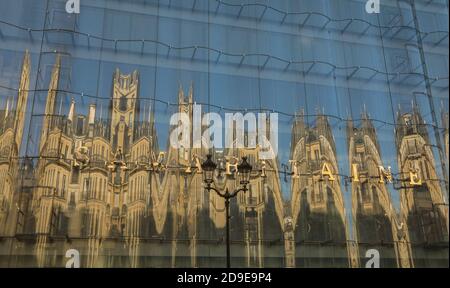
x=88, y=172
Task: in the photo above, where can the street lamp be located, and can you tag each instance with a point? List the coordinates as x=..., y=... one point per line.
x=244, y=169
x=208, y=168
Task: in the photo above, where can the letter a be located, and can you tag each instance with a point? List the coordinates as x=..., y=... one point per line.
x=74, y=258
x=180, y=136
x=373, y=6
x=327, y=171
x=374, y=258
x=73, y=6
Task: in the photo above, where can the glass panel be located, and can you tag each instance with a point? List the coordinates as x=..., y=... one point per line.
x=106, y=116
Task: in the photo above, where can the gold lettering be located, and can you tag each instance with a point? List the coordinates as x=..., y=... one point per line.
x=385, y=174
x=294, y=167
x=153, y=159
x=198, y=164
x=327, y=171
x=355, y=175
x=263, y=169
x=158, y=163
x=229, y=165
x=161, y=157
x=414, y=178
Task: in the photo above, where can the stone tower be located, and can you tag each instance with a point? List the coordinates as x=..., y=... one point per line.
x=422, y=200
x=318, y=214
x=12, y=121
x=374, y=218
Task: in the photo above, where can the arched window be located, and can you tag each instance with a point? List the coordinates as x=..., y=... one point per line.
x=317, y=194
x=374, y=191
x=105, y=188
x=123, y=103
x=365, y=193
x=63, y=188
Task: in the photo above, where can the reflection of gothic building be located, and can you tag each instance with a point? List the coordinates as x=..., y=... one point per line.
x=445, y=125
x=195, y=219
x=422, y=200
x=78, y=195
x=103, y=188
x=374, y=218
x=317, y=204
x=12, y=120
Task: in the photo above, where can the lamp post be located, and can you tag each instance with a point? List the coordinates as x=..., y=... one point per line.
x=244, y=169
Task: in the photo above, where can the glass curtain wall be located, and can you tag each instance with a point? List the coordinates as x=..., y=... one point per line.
x=86, y=102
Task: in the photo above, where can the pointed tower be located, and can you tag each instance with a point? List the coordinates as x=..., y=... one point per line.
x=374, y=218
x=185, y=105
x=318, y=215
x=50, y=103
x=10, y=141
x=7, y=108
x=422, y=201
x=22, y=99
x=124, y=110
x=71, y=117
x=124, y=118
x=445, y=125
